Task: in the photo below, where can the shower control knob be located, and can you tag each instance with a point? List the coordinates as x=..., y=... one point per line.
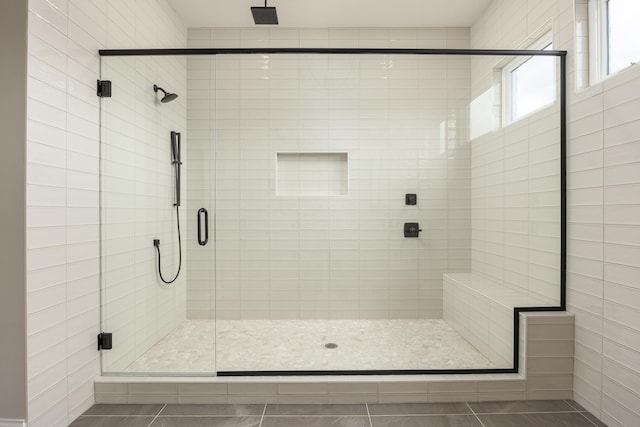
x=412, y=229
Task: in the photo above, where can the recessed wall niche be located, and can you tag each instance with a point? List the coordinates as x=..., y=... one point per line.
x=312, y=174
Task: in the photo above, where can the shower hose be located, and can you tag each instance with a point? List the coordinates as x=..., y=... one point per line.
x=156, y=243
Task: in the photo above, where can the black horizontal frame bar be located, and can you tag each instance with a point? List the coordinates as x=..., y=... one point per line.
x=363, y=372
x=231, y=51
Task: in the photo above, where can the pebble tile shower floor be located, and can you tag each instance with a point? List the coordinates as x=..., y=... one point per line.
x=290, y=345
x=542, y=413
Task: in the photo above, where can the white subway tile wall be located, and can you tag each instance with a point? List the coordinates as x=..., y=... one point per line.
x=63, y=190
x=603, y=271
x=402, y=121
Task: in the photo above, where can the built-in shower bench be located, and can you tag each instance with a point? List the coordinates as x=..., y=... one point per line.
x=481, y=310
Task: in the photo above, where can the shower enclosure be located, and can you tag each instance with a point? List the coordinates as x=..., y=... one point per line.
x=346, y=211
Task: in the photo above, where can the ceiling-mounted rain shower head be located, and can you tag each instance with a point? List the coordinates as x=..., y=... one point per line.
x=264, y=15
x=168, y=97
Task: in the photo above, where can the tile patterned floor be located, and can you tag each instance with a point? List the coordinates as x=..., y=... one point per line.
x=290, y=345
x=544, y=413
x=189, y=348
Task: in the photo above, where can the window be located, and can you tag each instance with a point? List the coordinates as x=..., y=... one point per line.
x=613, y=36
x=529, y=83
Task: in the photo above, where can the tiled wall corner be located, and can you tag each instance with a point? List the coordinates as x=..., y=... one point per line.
x=63, y=189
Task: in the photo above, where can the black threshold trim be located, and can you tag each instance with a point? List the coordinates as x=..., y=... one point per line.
x=208, y=51
x=562, y=54
x=364, y=372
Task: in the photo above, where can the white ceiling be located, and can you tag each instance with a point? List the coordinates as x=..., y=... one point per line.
x=333, y=13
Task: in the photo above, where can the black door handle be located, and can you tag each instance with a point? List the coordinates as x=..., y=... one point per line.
x=204, y=241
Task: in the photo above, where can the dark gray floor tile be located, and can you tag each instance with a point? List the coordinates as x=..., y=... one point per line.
x=535, y=420
x=112, y=421
x=521, y=406
x=418, y=408
x=317, y=421
x=593, y=419
x=316, y=409
x=103, y=409
x=206, y=422
x=426, y=421
x=215, y=409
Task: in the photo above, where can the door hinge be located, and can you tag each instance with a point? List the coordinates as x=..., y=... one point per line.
x=105, y=341
x=104, y=88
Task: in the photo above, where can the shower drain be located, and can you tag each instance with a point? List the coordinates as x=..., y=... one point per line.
x=331, y=345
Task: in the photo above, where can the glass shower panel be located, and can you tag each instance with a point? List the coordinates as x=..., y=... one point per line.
x=146, y=317
x=318, y=161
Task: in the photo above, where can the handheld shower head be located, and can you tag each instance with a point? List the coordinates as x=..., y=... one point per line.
x=168, y=97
